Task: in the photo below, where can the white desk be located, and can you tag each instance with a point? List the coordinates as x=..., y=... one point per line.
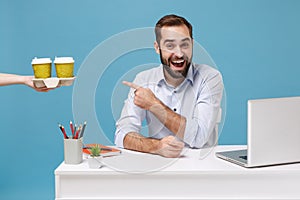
x=195, y=176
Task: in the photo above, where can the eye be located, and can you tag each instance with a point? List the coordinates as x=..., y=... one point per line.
x=185, y=45
x=170, y=46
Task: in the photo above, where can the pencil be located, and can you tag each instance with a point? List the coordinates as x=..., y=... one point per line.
x=63, y=131
x=75, y=129
x=82, y=131
x=72, y=128
x=77, y=132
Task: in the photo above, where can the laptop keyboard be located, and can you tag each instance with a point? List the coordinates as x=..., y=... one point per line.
x=243, y=157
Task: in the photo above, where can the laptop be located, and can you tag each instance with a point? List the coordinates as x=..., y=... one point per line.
x=273, y=133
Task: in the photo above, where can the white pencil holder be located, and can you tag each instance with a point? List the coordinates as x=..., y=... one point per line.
x=73, y=151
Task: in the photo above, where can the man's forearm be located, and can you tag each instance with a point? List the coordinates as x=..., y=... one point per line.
x=137, y=142
x=168, y=146
x=173, y=121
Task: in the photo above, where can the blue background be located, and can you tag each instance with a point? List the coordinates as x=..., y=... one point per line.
x=254, y=43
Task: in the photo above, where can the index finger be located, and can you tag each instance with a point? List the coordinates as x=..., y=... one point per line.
x=130, y=84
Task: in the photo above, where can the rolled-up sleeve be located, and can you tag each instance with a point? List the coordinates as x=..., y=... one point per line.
x=130, y=121
x=201, y=122
x=131, y=118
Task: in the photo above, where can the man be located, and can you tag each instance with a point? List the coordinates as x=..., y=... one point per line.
x=13, y=79
x=180, y=100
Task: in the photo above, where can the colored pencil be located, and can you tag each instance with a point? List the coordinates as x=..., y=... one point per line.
x=72, y=127
x=63, y=131
x=77, y=132
x=82, y=131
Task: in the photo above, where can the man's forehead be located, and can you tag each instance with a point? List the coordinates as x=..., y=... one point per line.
x=176, y=33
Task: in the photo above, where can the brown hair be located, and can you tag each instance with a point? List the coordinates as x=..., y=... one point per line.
x=171, y=20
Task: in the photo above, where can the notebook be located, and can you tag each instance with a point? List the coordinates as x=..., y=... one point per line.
x=105, y=150
x=273, y=133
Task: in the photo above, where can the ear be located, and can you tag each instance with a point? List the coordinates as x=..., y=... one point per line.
x=156, y=46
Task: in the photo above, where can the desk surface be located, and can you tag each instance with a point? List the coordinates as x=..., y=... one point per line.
x=198, y=174
x=192, y=160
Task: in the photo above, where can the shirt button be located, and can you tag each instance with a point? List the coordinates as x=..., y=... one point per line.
x=175, y=109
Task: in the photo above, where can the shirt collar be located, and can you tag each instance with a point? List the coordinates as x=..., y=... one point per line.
x=191, y=74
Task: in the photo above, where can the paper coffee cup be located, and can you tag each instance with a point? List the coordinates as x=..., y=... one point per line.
x=64, y=67
x=41, y=67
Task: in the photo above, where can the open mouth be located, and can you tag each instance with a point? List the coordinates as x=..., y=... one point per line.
x=178, y=63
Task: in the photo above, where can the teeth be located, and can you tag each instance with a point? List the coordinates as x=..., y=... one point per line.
x=178, y=61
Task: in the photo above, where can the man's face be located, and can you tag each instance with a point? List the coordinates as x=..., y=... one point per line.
x=175, y=49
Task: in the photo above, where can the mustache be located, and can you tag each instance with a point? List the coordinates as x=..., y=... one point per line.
x=174, y=58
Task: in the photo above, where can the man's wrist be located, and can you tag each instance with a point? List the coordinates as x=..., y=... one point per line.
x=154, y=145
x=157, y=106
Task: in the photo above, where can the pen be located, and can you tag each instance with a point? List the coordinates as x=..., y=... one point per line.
x=104, y=149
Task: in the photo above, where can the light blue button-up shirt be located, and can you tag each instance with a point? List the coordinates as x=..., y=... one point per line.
x=197, y=98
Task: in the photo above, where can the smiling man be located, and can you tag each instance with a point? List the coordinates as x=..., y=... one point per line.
x=179, y=99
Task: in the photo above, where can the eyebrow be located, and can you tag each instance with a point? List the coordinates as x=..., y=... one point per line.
x=185, y=39
x=169, y=40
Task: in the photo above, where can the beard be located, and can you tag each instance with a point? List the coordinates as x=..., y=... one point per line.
x=173, y=73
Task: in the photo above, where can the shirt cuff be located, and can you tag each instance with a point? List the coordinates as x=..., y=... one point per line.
x=191, y=134
x=119, y=138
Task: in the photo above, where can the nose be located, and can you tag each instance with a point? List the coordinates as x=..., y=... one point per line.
x=177, y=52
